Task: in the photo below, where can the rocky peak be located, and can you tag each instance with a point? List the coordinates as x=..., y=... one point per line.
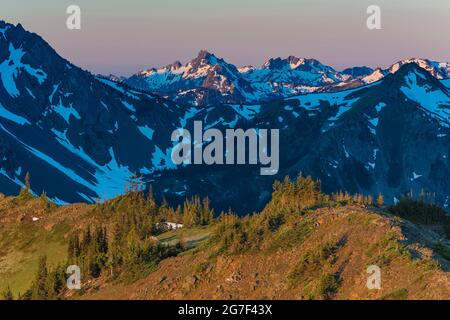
x=174, y=66
x=438, y=70
x=204, y=57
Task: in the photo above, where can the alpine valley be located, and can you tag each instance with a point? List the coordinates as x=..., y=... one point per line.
x=82, y=137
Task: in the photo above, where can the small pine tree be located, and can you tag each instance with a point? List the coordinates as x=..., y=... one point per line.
x=87, y=239
x=40, y=285
x=55, y=282
x=74, y=250
x=27, y=181
x=380, y=200
x=207, y=212
x=25, y=192
x=369, y=200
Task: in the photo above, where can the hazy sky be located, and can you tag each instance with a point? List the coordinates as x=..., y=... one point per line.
x=123, y=37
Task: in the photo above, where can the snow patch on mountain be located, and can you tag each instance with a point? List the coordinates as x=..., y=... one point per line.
x=61, y=137
x=4, y=113
x=129, y=106
x=146, y=131
x=162, y=160
x=436, y=102
x=110, y=178
x=247, y=111
x=13, y=66
x=380, y=107
x=415, y=176
x=66, y=112
x=3, y=31
x=13, y=179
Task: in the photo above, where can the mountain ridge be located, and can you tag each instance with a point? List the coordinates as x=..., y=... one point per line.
x=276, y=78
x=303, y=245
x=89, y=135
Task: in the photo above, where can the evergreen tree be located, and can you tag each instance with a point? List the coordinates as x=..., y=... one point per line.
x=380, y=200
x=55, y=282
x=25, y=192
x=74, y=249
x=40, y=289
x=27, y=182
x=207, y=212
x=369, y=200
x=87, y=238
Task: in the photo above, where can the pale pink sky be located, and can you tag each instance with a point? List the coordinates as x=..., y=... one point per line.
x=123, y=37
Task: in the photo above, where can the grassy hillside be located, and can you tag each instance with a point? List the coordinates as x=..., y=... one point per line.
x=31, y=229
x=303, y=245
x=324, y=256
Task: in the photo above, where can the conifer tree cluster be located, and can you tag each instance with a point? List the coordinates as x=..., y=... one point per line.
x=294, y=196
x=344, y=198
x=125, y=245
x=49, y=283
x=290, y=200
x=197, y=212
x=89, y=252
x=422, y=210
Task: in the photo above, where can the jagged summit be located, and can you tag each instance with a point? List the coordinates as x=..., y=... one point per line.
x=276, y=78
x=174, y=66
x=294, y=62
x=205, y=55
x=4, y=24
x=201, y=79
x=439, y=70
x=356, y=72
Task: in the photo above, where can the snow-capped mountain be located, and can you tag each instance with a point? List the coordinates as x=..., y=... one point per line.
x=439, y=70
x=360, y=76
x=295, y=71
x=82, y=137
x=79, y=136
x=390, y=137
x=208, y=80
x=196, y=81
x=356, y=72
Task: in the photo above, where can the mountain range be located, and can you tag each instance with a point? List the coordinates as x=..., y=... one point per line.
x=208, y=80
x=82, y=137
